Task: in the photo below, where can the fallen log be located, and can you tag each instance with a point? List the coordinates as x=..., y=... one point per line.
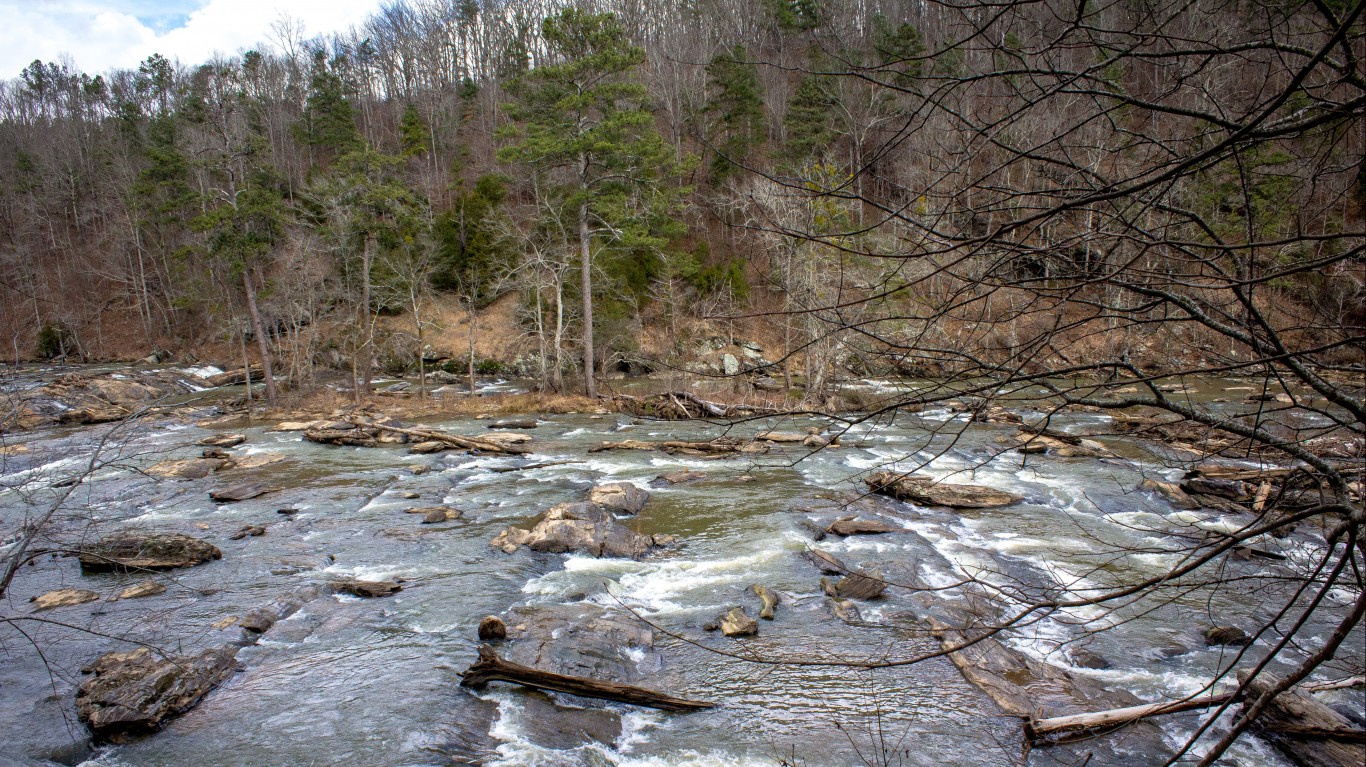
x=1305, y=730
x=529, y=467
x=1046, y=731
x=682, y=406
x=491, y=668
x=464, y=443
x=1339, y=684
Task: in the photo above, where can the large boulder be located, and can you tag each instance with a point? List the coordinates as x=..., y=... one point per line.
x=135, y=693
x=927, y=492
x=619, y=497
x=581, y=528
x=146, y=551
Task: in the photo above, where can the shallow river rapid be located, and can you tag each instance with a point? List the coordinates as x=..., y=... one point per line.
x=346, y=681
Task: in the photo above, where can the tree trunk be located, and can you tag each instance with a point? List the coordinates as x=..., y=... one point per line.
x=266, y=372
x=590, y=387
x=491, y=668
x=470, y=317
x=367, y=351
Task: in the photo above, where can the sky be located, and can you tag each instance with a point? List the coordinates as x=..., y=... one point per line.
x=99, y=35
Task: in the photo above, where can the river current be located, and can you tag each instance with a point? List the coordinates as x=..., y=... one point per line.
x=346, y=681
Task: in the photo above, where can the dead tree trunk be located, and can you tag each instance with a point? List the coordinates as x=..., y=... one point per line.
x=490, y=668
x=1308, y=732
x=1046, y=731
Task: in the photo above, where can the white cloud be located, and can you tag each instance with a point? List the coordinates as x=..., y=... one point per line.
x=98, y=35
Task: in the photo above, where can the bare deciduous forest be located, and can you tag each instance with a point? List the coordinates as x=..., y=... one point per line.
x=1072, y=210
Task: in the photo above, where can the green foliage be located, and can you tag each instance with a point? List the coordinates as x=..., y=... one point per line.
x=795, y=15
x=328, y=121
x=899, y=51
x=736, y=105
x=585, y=126
x=54, y=340
x=413, y=133
x=488, y=367
x=246, y=226
x=469, y=252
x=808, y=121
x=366, y=203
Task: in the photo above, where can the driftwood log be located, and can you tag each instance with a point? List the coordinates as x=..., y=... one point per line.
x=1045, y=731
x=683, y=406
x=1305, y=730
x=464, y=443
x=491, y=668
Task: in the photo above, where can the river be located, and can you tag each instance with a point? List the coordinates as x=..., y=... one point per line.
x=346, y=681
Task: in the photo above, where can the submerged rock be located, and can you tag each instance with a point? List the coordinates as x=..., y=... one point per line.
x=135, y=693
x=433, y=514
x=146, y=551
x=926, y=491
x=1226, y=636
x=619, y=497
x=846, y=610
x=583, y=528
x=248, y=531
x=680, y=477
x=63, y=598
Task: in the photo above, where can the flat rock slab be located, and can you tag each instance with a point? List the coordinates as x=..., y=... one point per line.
x=927, y=492
x=240, y=492
x=191, y=468
x=146, y=551
x=147, y=588
x=63, y=598
x=223, y=440
x=619, y=497
x=255, y=461
x=682, y=477
x=135, y=693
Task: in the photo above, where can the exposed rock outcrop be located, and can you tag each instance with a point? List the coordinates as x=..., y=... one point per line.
x=619, y=497
x=926, y=491
x=146, y=551
x=583, y=528
x=135, y=693
x=63, y=598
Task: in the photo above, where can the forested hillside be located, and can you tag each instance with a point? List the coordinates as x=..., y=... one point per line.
x=870, y=185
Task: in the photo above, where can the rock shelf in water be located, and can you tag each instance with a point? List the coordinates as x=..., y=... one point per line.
x=928, y=492
x=146, y=551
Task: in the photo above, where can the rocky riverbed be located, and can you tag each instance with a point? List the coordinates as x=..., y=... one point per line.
x=331, y=625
